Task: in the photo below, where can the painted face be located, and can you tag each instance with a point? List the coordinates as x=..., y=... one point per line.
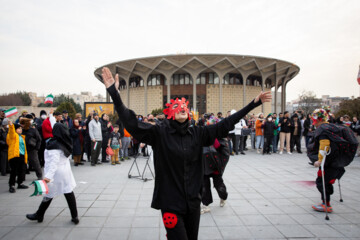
x=176, y=106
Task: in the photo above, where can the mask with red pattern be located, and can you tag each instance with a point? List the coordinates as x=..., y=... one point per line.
x=176, y=106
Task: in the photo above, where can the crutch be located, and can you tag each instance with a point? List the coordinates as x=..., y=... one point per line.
x=324, y=153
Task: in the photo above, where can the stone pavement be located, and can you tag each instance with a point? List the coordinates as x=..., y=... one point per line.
x=270, y=197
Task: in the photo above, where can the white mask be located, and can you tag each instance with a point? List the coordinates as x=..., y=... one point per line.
x=31, y=121
x=43, y=117
x=270, y=118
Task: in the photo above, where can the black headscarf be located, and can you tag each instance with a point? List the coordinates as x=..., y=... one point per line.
x=61, y=139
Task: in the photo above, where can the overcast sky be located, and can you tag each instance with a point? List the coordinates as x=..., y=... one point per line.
x=55, y=46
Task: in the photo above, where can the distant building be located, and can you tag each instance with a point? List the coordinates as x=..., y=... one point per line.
x=86, y=97
x=333, y=102
x=210, y=82
x=78, y=98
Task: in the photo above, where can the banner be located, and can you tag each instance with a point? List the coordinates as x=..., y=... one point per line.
x=99, y=107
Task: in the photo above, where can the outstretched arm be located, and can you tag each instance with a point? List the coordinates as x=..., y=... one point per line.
x=221, y=129
x=144, y=132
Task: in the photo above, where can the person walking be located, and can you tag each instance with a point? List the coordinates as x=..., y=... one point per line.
x=96, y=138
x=58, y=174
x=178, y=160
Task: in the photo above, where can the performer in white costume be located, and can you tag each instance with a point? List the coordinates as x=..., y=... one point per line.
x=58, y=174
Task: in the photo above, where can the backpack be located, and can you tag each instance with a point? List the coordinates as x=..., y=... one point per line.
x=343, y=145
x=216, y=159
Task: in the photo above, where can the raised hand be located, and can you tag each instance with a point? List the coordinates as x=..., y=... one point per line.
x=107, y=77
x=264, y=97
x=117, y=83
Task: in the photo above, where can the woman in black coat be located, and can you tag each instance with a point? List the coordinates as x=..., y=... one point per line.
x=178, y=163
x=77, y=135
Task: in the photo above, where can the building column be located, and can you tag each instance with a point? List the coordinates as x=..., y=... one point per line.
x=275, y=97
x=244, y=76
x=107, y=96
x=168, y=79
x=128, y=92
x=220, y=76
x=194, y=92
x=283, y=96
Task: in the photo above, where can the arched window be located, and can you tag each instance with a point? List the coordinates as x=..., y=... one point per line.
x=136, y=82
x=122, y=85
x=154, y=80
x=233, y=79
x=181, y=79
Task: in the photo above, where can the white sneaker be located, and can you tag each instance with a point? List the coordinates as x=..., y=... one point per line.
x=205, y=209
x=258, y=151
x=289, y=153
x=222, y=202
x=280, y=152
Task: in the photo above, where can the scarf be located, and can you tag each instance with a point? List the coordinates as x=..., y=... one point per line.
x=61, y=139
x=180, y=128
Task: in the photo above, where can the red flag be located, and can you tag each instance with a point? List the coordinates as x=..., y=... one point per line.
x=359, y=76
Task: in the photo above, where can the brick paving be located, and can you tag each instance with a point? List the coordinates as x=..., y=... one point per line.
x=270, y=197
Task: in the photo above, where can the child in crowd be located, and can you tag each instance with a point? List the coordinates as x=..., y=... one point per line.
x=115, y=144
x=17, y=156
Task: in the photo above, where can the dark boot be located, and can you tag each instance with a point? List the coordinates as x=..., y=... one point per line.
x=70, y=198
x=39, y=215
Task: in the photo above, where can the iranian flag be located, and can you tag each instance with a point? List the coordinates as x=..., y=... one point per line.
x=40, y=188
x=359, y=76
x=11, y=112
x=49, y=99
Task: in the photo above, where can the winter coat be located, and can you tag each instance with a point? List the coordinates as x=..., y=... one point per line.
x=68, y=122
x=57, y=169
x=12, y=140
x=355, y=127
x=285, y=126
x=33, y=139
x=77, y=143
x=95, y=130
x=105, y=131
x=3, y=134
x=269, y=128
x=178, y=163
x=307, y=126
x=239, y=126
x=258, y=129
x=46, y=129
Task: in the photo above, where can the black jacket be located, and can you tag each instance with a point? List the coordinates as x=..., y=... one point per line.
x=76, y=141
x=307, y=126
x=105, y=130
x=3, y=134
x=285, y=126
x=177, y=158
x=32, y=139
x=269, y=128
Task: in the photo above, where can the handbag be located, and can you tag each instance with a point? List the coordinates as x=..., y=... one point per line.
x=245, y=131
x=109, y=151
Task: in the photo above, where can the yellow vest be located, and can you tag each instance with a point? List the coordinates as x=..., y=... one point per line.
x=12, y=140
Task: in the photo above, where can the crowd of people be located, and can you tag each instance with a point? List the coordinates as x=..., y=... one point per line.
x=29, y=142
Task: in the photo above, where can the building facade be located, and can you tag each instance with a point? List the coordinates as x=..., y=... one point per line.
x=211, y=82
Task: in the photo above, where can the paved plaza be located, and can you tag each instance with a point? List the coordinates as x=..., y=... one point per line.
x=270, y=197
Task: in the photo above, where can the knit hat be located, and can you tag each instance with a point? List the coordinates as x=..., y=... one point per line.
x=5, y=121
x=269, y=115
x=16, y=125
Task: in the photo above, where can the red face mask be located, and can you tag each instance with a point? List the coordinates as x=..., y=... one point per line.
x=176, y=106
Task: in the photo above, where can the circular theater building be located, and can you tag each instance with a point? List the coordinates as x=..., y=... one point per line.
x=211, y=82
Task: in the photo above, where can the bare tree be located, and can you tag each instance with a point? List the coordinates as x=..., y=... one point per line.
x=308, y=101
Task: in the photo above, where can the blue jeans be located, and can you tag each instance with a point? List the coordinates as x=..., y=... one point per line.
x=252, y=135
x=274, y=143
x=259, y=141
